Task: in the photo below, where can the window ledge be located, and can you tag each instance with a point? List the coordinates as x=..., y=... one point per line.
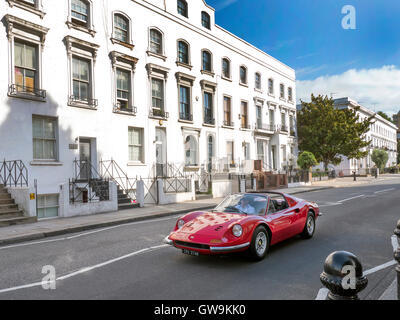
x=228, y=127
x=131, y=112
x=271, y=95
x=72, y=25
x=45, y=163
x=185, y=65
x=258, y=90
x=227, y=79
x=243, y=84
x=191, y=168
x=82, y=105
x=122, y=43
x=282, y=99
x=245, y=129
x=209, y=73
x=136, y=164
x=185, y=121
x=209, y=125
x=26, y=7
x=157, y=55
x=27, y=96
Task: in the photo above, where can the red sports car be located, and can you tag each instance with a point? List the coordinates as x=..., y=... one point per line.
x=246, y=221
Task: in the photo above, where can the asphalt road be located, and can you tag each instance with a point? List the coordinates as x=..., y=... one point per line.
x=130, y=261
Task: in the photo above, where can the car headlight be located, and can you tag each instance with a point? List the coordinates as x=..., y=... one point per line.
x=237, y=230
x=181, y=223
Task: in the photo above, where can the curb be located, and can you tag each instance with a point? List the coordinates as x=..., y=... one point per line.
x=41, y=235
x=46, y=234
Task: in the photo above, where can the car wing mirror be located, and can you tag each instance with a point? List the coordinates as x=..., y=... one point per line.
x=297, y=210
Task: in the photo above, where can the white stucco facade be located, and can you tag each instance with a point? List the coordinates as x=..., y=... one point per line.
x=382, y=134
x=65, y=126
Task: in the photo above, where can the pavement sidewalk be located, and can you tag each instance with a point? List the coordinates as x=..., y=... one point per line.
x=349, y=182
x=60, y=226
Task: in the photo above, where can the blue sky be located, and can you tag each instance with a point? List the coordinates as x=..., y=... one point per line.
x=308, y=36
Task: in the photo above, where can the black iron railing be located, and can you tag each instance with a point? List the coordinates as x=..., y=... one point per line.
x=228, y=123
x=16, y=89
x=284, y=128
x=13, y=174
x=177, y=185
x=185, y=116
x=92, y=103
x=111, y=170
x=158, y=113
x=118, y=108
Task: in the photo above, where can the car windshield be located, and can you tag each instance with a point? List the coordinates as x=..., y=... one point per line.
x=243, y=203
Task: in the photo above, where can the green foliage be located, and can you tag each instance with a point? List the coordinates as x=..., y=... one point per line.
x=306, y=160
x=329, y=132
x=385, y=116
x=380, y=158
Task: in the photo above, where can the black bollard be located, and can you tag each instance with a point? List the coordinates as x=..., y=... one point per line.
x=343, y=276
x=354, y=176
x=397, y=258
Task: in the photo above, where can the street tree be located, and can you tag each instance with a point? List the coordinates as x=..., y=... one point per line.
x=380, y=158
x=385, y=116
x=306, y=160
x=330, y=133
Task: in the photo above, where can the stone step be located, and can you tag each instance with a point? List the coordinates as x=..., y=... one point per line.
x=3, y=190
x=17, y=220
x=8, y=206
x=6, y=201
x=12, y=215
x=9, y=211
x=5, y=196
x=124, y=200
x=124, y=206
x=204, y=196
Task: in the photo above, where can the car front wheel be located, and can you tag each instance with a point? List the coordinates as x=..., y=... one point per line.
x=259, y=244
x=309, y=228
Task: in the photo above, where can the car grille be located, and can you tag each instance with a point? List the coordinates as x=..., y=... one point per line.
x=192, y=245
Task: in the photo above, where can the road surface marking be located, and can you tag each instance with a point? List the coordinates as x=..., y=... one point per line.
x=87, y=233
x=379, y=268
x=386, y=190
x=87, y=269
x=322, y=294
x=344, y=200
x=330, y=204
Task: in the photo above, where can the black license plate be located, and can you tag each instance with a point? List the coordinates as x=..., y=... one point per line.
x=190, y=252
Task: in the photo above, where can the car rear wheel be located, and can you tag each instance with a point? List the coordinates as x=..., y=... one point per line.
x=259, y=244
x=309, y=228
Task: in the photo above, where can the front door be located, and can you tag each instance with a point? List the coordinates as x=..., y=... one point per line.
x=84, y=159
x=161, y=152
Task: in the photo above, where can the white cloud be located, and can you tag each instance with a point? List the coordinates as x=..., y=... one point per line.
x=376, y=89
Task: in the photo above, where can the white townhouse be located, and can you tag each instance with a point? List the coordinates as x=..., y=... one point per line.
x=145, y=83
x=382, y=134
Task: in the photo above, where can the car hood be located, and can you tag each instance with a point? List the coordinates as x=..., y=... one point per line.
x=207, y=226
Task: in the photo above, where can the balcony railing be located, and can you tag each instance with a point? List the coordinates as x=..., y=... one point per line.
x=292, y=132
x=245, y=126
x=265, y=127
x=158, y=113
x=284, y=128
x=208, y=119
x=228, y=123
x=16, y=89
x=76, y=100
x=185, y=116
x=132, y=110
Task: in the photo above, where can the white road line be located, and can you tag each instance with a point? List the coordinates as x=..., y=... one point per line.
x=322, y=294
x=344, y=200
x=381, y=267
x=87, y=269
x=86, y=233
x=386, y=190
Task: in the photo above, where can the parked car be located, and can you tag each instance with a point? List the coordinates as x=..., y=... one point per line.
x=245, y=222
